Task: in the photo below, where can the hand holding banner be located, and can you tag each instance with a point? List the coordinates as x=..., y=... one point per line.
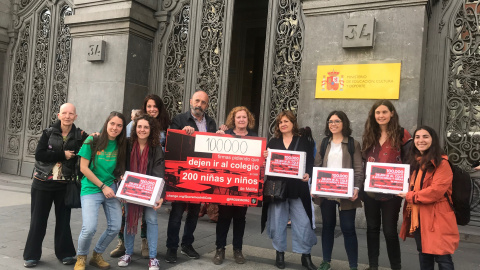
x=387, y=178
x=214, y=168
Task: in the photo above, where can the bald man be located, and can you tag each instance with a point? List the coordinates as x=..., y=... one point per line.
x=55, y=161
x=193, y=120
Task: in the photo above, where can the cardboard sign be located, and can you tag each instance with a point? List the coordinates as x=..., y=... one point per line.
x=140, y=189
x=214, y=168
x=387, y=177
x=286, y=163
x=332, y=182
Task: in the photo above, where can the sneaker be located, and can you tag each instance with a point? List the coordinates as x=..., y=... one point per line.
x=324, y=266
x=171, y=256
x=154, y=264
x=68, y=260
x=190, y=252
x=30, y=263
x=124, y=260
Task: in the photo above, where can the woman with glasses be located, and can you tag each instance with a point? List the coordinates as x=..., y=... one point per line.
x=383, y=140
x=338, y=155
x=298, y=203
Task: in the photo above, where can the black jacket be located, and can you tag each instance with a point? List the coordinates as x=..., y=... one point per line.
x=155, y=165
x=186, y=119
x=51, y=149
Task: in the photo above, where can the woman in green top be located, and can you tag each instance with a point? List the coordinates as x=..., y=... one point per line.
x=99, y=188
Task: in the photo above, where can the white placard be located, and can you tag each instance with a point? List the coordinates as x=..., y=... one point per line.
x=140, y=188
x=228, y=145
x=286, y=163
x=390, y=178
x=332, y=182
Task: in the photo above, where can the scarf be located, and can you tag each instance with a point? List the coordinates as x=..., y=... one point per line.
x=138, y=164
x=413, y=209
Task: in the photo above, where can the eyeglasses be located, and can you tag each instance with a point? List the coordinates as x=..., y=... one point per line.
x=336, y=122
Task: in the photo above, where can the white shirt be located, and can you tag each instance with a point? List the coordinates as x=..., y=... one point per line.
x=335, y=156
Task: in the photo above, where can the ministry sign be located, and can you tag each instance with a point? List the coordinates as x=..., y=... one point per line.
x=359, y=81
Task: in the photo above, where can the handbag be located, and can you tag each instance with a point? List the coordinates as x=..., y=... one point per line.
x=72, y=194
x=274, y=189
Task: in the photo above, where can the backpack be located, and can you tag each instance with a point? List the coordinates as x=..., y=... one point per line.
x=350, y=146
x=462, y=195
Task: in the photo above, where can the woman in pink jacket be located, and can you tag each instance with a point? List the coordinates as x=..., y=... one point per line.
x=427, y=215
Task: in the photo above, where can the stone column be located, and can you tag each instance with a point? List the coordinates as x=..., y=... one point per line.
x=400, y=36
x=120, y=82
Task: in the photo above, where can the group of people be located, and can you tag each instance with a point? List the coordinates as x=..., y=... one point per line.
x=105, y=156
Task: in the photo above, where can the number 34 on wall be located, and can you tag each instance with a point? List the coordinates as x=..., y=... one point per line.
x=358, y=32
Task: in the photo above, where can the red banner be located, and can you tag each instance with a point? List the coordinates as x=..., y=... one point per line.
x=214, y=168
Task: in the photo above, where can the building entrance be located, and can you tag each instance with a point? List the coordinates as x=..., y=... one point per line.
x=247, y=51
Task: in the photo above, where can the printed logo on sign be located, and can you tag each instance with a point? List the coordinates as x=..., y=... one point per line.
x=333, y=82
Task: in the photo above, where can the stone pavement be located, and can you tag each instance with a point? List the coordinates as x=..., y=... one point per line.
x=15, y=218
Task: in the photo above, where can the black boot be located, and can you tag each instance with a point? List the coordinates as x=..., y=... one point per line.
x=280, y=260
x=307, y=262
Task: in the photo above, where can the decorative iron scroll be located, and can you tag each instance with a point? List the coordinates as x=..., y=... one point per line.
x=39, y=83
x=210, y=52
x=288, y=60
x=62, y=63
x=475, y=204
x=19, y=81
x=462, y=137
x=175, y=61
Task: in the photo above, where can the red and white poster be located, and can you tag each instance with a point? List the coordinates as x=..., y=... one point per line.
x=214, y=168
x=140, y=188
x=285, y=163
x=332, y=182
x=388, y=178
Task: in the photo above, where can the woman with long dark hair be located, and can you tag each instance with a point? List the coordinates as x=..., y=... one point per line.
x=298, y=203
x=102, y=163
x=383, y=139
x=240, y=122
x=153, y=106
x=337, y=155
x=145, y=156
x=427, y=214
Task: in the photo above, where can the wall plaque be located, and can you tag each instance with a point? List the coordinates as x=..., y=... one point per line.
x=358, y=32
x=96, y=51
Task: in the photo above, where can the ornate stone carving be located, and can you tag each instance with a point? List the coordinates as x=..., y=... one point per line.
x=210, y=51
x=39, y=82
x=175, y=61
x=32, y=146
x=462, y=137
x=13, y=142
x=24, y=3
x=287, y=59
x=62, y=63
x=17, y=99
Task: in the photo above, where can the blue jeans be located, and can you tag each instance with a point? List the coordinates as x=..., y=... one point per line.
x=175, y=222
x=152, y=232
x=347, y=224
x=427, y=261
x=303, y=236
x=113, y=213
